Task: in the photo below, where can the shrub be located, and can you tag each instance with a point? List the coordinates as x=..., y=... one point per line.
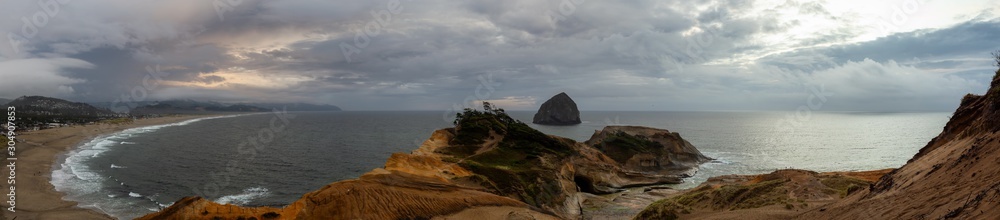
x=996, y=57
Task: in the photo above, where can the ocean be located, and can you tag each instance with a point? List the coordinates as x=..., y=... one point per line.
x=137, y=171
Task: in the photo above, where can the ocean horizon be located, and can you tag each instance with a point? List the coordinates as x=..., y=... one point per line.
x=137, y=171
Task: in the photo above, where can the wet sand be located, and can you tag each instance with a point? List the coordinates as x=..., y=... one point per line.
x=37, y=152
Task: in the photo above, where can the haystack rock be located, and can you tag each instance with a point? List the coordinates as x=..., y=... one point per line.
x=558, y=110
x=489, y=166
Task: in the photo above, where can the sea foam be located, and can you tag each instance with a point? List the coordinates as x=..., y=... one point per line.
x=248, y=195
x=84, y=185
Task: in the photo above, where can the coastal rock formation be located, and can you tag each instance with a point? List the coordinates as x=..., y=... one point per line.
x=955, y=176
x=781, y=194
x=488, y=165
x=558, y=110
x=644, y=149
x=390, y=195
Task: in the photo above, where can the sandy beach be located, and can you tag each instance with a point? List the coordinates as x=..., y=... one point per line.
x=37, y=152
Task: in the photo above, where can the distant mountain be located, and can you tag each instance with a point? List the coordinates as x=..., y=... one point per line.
x=4, y=101
x=121, y=107
x=40, y=109
x=297, y=106
x=188, y=106
x=41, y=105
x=180, y=106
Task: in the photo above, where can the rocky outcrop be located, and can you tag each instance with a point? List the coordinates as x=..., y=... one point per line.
x=649, y=150
x=558, y=110
x=388, y=195
x=955, y=176
x=781, y=194
x=487, y=165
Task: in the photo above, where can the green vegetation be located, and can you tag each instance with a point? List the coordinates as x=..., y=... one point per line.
x=844, y=186
x=535, y=187
x=996, y=57
x=739, y=196
x=751, y=196
x=663, y=209
x=620, y=146
x=731, y=197
x=995, y=84
x=516, y=166
x=518, y=140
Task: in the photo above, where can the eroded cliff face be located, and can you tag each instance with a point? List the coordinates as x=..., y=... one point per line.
x=511, y=159
x=376, y=195
x=489, y=163
x=955, y=176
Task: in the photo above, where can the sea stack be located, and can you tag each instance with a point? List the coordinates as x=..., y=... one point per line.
x=558, y=110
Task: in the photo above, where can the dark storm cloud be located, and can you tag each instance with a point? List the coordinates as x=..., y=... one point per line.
x=630, y=55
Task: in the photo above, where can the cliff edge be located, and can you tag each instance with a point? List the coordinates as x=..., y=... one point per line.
x=955, y=176
x=489, y=166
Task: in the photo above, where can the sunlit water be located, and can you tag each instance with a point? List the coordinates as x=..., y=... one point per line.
x=137, y=171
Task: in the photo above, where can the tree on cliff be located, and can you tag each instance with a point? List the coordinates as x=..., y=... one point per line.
x=489, y=111
x=996, y=57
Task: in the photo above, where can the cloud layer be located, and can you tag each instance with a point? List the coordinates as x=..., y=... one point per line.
x=432, y=55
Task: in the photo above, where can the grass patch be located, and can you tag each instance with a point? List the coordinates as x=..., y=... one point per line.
x=515, y=167
x=534, y=187
x=621, y=146
x=844, y=186
x=663, y=209
x=729, y=197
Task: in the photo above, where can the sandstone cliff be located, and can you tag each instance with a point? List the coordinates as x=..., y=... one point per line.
x=558, y=110
x=379, y=195
x=955, y=176
x=488, y=166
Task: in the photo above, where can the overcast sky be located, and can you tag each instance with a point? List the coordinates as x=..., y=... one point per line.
x=853, y=55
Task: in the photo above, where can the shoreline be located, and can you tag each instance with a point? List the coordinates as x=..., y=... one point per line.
x=39, y=151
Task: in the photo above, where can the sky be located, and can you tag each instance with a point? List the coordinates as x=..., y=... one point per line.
x=635, y=55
